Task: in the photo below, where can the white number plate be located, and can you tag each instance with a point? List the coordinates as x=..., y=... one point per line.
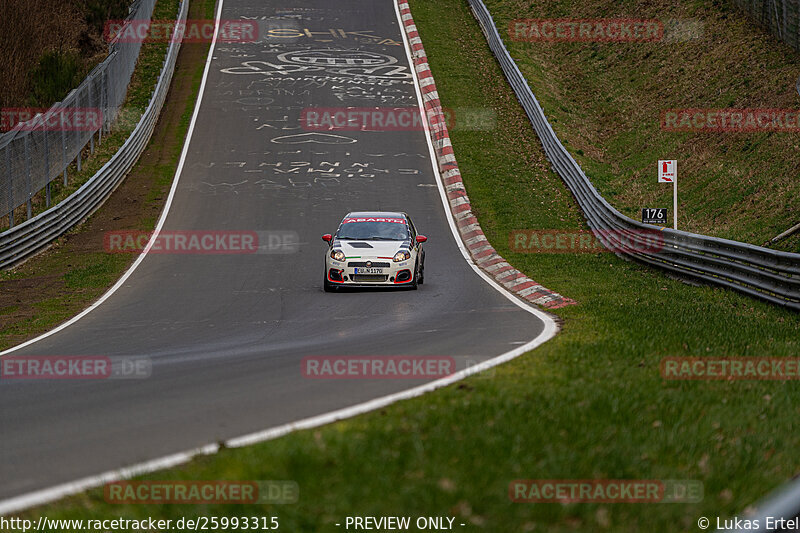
x=362, y=270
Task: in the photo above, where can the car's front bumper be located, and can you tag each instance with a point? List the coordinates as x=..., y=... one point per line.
x=351, y=273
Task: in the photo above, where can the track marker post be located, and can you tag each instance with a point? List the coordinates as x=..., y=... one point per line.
x=668, y=173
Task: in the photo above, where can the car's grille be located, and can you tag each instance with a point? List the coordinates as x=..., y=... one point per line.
x=368, y=277
x=364, y=264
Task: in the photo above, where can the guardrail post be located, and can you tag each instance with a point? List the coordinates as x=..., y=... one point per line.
x=46, y=165
x=102, y=106
x=10, y=189
x=29, y=203
x=76, y=103
x=92, y=107
x=64, y=154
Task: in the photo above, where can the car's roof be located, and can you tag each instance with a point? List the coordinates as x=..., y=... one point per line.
x=383, y=214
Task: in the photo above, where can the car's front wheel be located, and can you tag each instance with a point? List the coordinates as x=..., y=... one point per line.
x=415, y=281
x=328, y=286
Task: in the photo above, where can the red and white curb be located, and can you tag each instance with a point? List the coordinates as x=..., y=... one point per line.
x=484, y=255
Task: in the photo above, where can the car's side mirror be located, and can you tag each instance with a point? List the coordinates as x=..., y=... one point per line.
x=421, y=238
x=327, y=237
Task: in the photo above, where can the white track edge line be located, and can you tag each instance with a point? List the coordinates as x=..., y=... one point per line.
x=43, y=496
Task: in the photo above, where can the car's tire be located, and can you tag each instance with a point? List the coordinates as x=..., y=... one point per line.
x=328, y=286
x=415, y=281
x=421, y=278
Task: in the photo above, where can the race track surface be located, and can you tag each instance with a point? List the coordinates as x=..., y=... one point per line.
x=226, y=333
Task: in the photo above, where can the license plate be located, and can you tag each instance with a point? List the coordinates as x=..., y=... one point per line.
x=362, y=270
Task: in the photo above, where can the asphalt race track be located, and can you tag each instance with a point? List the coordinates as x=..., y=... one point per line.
x=226, y=332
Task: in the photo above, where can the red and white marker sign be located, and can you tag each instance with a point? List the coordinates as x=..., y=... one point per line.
x=667, y=170
x=668, y=173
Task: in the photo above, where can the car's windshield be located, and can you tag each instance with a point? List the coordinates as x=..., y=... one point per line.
x=373, y=228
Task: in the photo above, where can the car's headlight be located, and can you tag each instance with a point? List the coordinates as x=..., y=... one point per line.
x=401, y=256
x=337, y=255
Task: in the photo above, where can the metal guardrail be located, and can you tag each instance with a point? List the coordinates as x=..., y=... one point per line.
x=37, y=151
x=767, y=274
x=32, y=236
x=784, y=503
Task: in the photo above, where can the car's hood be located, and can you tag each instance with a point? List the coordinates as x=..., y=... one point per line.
x=372, y=248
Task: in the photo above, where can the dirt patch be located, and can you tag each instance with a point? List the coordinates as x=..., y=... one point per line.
x=39, y=294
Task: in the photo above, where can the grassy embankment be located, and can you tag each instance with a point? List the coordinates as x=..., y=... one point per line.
x=588, y=404
x=605, y=102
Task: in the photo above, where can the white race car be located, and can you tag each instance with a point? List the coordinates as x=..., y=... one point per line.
x=374, y=249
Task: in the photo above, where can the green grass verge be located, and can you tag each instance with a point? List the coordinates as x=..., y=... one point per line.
x=588, y=404
x=605, y=102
